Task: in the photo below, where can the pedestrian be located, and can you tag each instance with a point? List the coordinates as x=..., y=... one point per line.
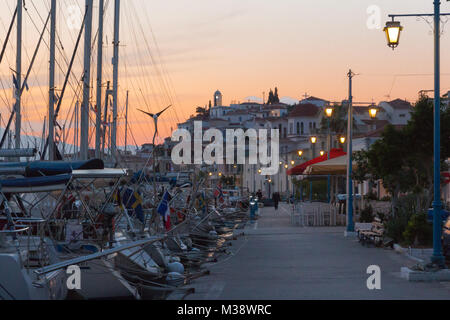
x=259, y=195
x=276, y=199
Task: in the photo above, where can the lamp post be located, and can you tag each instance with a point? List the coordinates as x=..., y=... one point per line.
x=350, y=224
x=313, y=143
x=393, y=30
x=329, y=114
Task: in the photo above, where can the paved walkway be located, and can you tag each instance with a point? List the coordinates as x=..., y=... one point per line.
x=276, y=261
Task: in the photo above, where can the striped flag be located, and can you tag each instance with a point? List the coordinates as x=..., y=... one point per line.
x=164, y=210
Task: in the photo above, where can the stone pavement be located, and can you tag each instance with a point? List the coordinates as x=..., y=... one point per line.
x=275, y=261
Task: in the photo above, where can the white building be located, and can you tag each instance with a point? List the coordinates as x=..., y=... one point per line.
x=398, y=112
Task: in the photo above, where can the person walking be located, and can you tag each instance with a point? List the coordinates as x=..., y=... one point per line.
x=259, y=195
x=276, y=199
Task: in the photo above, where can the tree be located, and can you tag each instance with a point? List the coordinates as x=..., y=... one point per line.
x=273, y=97
x=403, y=159
x=203, y=112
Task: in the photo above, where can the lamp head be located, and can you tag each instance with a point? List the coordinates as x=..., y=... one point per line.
x=373, y=111
x=329, y=112
x=313, y=140
x=393, y=30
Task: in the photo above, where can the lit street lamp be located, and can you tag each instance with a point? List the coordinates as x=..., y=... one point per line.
x=329, y=113
x=300, y=153
x=322, y=153
x=342, y=140
x=373, y=111
x=393, y=30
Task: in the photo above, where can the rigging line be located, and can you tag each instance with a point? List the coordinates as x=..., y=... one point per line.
x=162, y=71
x=170, y=83
x=61, y=53
x=26, y=77
x=7, y=36
x=147, y=78
x=134, y=89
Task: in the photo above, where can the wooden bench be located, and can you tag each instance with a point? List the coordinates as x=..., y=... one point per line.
x=373, y=236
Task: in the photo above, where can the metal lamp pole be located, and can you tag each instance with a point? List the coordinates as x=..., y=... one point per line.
x=437, y=257
x=350, y=223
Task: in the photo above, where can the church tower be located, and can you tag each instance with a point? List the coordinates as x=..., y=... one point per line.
x=217, y=99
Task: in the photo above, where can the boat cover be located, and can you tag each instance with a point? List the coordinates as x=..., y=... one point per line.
x=53, y=168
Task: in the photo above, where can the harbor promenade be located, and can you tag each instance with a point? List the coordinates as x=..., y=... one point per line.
x=274, y=260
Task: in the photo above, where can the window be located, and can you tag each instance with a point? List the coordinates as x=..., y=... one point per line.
x=303, y=128
x=402, y=116
x=291, y=128
x=285, y=132
x=298, y=127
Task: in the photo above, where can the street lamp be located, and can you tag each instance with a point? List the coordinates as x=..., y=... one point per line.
x=393, y=30
x=373, y=111
x=292, y=162
x=286, y=166
x=342, y=140
x=329, y=113
x=322, y=153
x=300, y=153
x=313, y=140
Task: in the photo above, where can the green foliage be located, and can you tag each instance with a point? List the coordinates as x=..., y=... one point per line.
x=367, y=215
x=273, y=97
x=403, y=158
x=397, y=225
x=418, y=231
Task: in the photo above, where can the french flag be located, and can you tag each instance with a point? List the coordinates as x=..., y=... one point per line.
x=164, y=210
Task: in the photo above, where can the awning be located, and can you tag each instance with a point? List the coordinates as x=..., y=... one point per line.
x=32, y=185
x=336, y=166
x=446, y=177
x=300, y=169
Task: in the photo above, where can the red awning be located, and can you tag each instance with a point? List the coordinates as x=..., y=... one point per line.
x=298, y=170
x=446, y=177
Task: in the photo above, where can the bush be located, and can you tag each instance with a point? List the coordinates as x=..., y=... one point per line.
x=367, y=215
x=396, y=226
x=418, y=231
x=372, y=196
x=399, y=222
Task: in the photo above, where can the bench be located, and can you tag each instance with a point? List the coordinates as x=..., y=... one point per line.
x=373, y=236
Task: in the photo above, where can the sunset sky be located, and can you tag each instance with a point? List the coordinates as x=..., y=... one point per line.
x=241, y=47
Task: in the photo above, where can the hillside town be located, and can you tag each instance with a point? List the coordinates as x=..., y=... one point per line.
x=297, y=125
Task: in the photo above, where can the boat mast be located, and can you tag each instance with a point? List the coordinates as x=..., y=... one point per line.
x=18, y=74
x=115, y=76
x=98, y=119
x=51, y=106
x=126, y=125
x=84, y=140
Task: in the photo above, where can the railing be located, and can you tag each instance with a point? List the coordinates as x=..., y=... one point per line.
x=317, y=214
